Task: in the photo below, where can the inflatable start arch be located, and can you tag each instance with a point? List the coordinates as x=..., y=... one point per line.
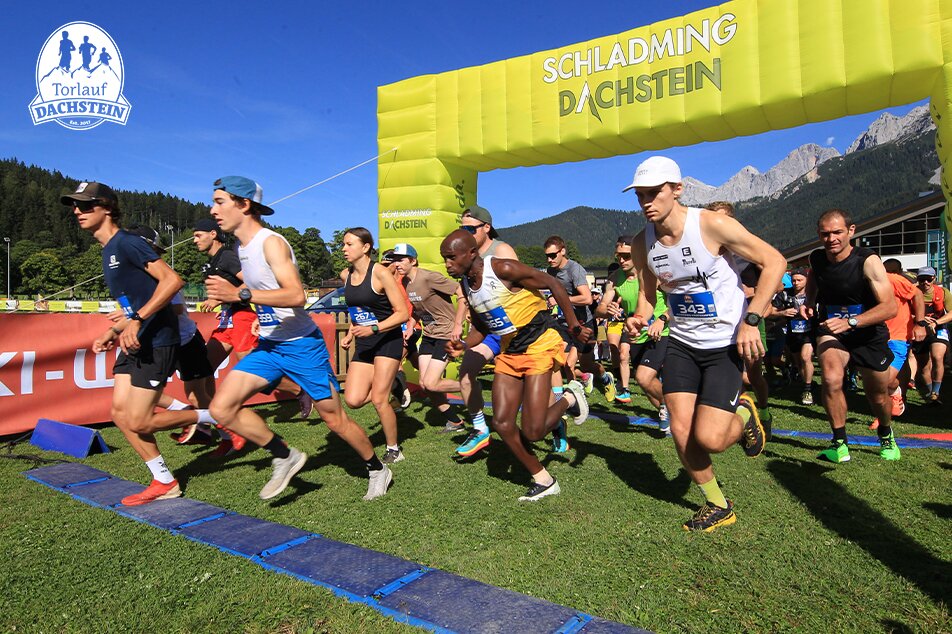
x=739, y=68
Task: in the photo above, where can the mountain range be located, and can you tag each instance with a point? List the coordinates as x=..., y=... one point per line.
x=890, y=163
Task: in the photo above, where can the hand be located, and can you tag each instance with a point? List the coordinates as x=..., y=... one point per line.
x=105, y=341
x=614, y=310
x=582, y=334
x=655, y=329
x=457, y=332
x=129, y=339
x=749, y=345
x=835, y=325
x=256, y=328
x=407, y=334
x=219, y=289
x=455, y=348
x=918, y=333
x=789, y=312
x=806, y=312
x=208, y=306
x=361, y=331
x=346, y=341
x=116, y=316
x=635, y=323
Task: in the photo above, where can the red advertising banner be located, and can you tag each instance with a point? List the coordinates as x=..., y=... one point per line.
x=48, y=369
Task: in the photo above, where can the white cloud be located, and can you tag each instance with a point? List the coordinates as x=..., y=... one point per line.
x=829, y=140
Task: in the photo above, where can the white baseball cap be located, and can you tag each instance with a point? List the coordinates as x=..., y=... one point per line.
x=654, y=171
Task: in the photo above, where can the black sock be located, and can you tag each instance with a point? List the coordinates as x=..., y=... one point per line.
x=884, y=430
x=839, y=433
x=373, y=464
x=451, y=417
x=277, y=447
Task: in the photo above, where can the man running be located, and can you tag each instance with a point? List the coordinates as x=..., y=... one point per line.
x=855, y=300
x=712, y=328
x=479, y=222
x=930, y=353
x=504, y=299
x=290, y=343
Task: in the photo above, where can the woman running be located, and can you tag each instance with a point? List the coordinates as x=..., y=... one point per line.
x=377, y=310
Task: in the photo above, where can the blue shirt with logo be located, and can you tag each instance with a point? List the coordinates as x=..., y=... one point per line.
x=124, y=259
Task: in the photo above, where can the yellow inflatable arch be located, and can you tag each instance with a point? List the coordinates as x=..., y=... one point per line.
x=739, y=68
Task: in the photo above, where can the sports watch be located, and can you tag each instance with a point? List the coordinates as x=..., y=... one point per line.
x=663, y=317
x=852, y=321
x=244, y=294
x=136, y=317
x=374, y=328
x=752, y=319
x=922, y=322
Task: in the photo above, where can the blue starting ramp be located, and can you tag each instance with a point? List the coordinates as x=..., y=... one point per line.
x=405, y=591
x=72, y=440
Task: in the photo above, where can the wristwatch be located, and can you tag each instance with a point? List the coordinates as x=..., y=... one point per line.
x=663, y=317
x=922, y=322
x=852, y=321
x=374, y=328
x=244, y=294
x=752, y=319
x=136, y=317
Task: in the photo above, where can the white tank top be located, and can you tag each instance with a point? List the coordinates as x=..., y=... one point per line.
x=277, y=324
x=704, y=291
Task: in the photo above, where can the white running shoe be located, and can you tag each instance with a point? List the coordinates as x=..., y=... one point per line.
x=282, y=470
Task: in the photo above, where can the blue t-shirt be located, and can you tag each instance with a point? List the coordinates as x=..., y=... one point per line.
x=124, y=259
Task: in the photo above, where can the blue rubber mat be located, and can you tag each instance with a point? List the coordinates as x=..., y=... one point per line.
x=244, y=536
x=107, y=493
x=407, y=592
x=464, y=605
x=62, y=475
x=357, y=571
x=172, y=514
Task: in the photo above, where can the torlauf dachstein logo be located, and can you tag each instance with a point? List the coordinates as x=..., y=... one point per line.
x=79, y=79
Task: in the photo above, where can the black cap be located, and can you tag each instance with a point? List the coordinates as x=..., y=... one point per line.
x=148, y=234
x=86, y=192
x=207, y=224
x=483, y=215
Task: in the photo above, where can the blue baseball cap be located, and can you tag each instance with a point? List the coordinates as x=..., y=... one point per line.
x=245, y=188
x=404, y=249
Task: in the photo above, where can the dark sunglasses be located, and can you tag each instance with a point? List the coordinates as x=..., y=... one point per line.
x=552, y=256
x=84, y=205
x=925, y=278
x=472, y=228
x=623, y=256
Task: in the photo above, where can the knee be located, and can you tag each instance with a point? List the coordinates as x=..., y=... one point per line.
x=223, y=413
x=335, y=422
x=428, y=385
x=381, y=401
x=710, y=440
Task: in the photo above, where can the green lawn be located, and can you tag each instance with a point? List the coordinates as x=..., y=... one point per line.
x=860, y=547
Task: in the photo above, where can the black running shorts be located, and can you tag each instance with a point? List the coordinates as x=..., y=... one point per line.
x=192, y=362
x=149, y=368
x=435, y=348
x=714, y=375
x=650, y=353
x=868, y=347
x=388, y=343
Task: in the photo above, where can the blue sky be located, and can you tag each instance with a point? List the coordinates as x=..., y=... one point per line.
x=285, y=92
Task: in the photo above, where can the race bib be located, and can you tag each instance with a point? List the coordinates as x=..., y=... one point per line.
x=126, y=306
x=942, y=334
x=799, y=325
x=844, y=312
x=694, y=306
x=224, y=319
x=361, y=316
x=266, y=316
x=498, y=321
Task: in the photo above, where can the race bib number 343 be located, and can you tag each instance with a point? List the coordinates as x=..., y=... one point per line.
x=695, y=306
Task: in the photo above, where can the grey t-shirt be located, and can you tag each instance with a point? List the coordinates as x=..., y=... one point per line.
x=572, y=275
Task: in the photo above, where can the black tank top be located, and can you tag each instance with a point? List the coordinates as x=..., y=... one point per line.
x=365, y=299
x=842, y=289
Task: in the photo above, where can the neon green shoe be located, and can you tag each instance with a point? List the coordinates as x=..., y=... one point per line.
x=836, y=452
x=888, y=449
x=610, y=391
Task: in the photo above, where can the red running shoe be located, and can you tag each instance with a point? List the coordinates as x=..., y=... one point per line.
x=153, y=492
x=898, y=406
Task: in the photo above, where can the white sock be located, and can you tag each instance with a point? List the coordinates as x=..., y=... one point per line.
x=205, y=417
x=543, y=478
x=159, y=470
x=393, y=447
x=897, y=391
x=177, y=405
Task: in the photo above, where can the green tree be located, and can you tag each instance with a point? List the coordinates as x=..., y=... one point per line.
x=337, y=252
x=87, y=266
x=44, y=273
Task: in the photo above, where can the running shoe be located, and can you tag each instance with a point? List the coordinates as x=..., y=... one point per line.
x=282, y=470
x=453, y=428
x=187, y=433
x=888, y=449
x=807, y=397
x=710, y=517
x=560, y=440
x=474, y=443
x=392, y=455
x=379, y=483
x=898, y=405
x=754, y=436
x=610, y=391
x=579, y=411
x=155, y=491
x=588, y=379
x=837, y=452
x=875, y=424
x=623, y=397
x=225, y=448
x=664, y=423
x=538, y=491
x=934, y=399
x=306, y=403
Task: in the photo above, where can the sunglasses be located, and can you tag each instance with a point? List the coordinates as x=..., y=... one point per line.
x=552, y=256
x=84, y=205
x=472, y=228
x=925, y=279
x=623, y=256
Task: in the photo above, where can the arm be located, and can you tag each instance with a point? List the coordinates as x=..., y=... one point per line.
x=506, y=252
x=886, y=306
x=947, y=317
x=647, y=286
x=169, y=284
x=400, y=315
x=919, y=314
x=518, y=274
x=607, y=307
x=290, y=293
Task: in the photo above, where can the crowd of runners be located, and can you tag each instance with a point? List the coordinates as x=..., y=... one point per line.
x=697, y=310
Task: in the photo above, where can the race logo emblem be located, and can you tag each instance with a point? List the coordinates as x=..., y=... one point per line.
x=79, y=79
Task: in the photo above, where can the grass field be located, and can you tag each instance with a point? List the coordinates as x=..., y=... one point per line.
x=859, y=547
